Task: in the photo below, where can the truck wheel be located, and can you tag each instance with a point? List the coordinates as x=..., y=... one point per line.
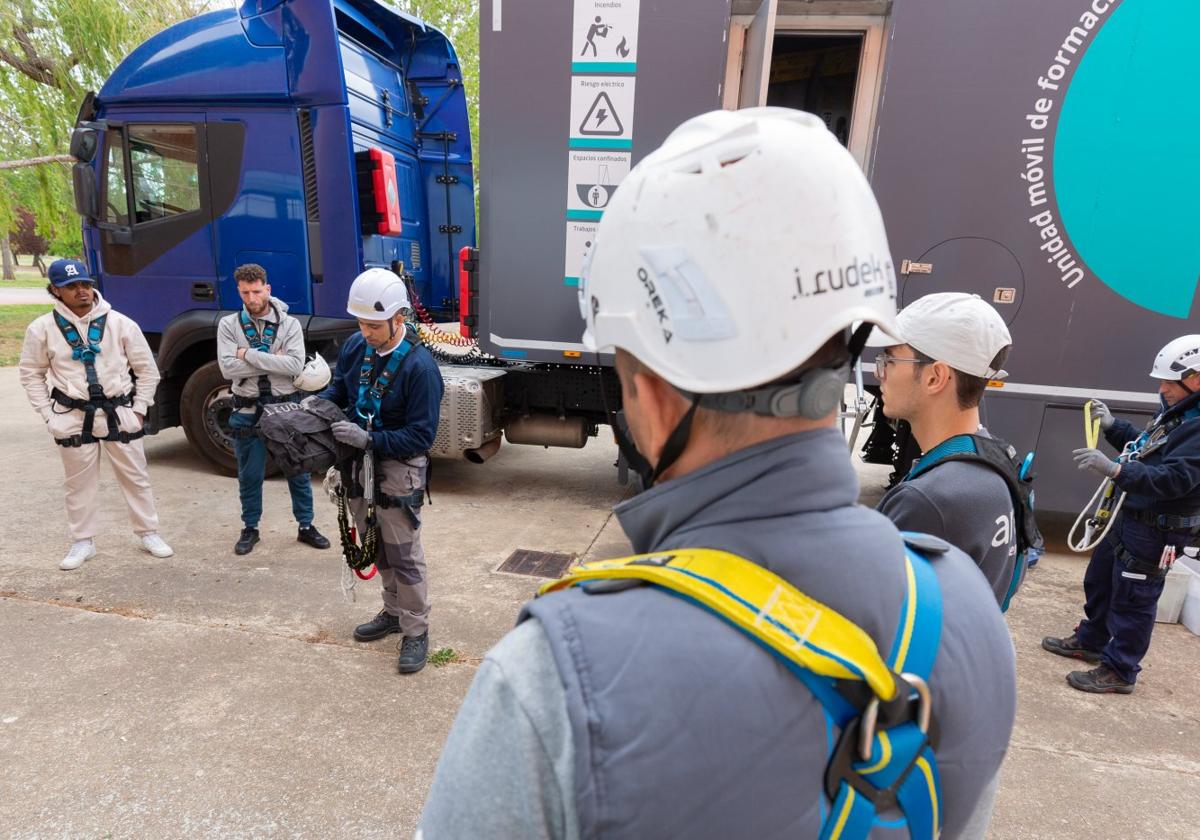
x=204, y=409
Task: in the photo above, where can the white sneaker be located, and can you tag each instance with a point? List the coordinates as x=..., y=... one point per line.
x=80, y=552
x=155, y=545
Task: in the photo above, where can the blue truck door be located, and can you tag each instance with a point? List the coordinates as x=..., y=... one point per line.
x=266, y=221
x=155, y=244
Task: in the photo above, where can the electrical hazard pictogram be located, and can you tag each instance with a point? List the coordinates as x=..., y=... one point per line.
x=601, y=119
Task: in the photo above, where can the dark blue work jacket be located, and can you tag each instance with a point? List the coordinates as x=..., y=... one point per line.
x=1167, y=480
x=408, y=417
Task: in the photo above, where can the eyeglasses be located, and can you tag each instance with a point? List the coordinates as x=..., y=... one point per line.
x=883, y=360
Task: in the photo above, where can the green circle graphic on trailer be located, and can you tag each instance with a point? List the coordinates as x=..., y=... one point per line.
x=1127, y=155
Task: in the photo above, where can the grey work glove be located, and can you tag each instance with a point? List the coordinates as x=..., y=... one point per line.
x=1097, y=462
x=351, y=434
x=1100, y=412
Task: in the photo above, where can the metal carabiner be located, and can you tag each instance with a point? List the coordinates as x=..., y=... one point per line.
x=870, y=715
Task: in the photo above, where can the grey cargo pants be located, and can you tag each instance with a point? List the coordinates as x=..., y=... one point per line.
x=401, y=559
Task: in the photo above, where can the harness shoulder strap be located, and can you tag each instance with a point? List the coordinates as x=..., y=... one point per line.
x=85, y=352
x=999, y=457
x=256, y=340
x=372, y=388
x=883, y=757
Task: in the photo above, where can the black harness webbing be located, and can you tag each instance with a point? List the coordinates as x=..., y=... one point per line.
x=263, y=342
x=85, y=352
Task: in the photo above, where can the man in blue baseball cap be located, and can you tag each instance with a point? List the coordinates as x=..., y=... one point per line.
x=76, y=366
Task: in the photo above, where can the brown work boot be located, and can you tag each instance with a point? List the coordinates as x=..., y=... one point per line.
x=1102, y=680
x=1070, y=648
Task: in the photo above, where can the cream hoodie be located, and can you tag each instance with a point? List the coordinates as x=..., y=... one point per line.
x=46, y=364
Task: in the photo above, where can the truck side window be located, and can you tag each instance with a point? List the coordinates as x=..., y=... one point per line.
x=116, y=206
x=166, y=178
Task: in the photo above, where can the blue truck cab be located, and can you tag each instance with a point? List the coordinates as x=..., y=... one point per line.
x=313, y=137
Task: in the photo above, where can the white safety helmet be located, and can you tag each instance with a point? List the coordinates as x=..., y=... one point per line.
x=376, y=295
x=1178, y=359
x=314, y=376
x=731, y=254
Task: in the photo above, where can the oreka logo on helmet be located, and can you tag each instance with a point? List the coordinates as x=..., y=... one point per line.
x=656, y=302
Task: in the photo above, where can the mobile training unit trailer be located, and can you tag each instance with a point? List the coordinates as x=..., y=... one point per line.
x=1003, y=155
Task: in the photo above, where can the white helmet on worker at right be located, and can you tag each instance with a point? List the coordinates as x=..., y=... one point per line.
x=732, y=253
x=1179, y=358
x=376, y=295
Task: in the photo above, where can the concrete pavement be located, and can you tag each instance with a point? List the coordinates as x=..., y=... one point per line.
x=9, y=297
x=220, y=696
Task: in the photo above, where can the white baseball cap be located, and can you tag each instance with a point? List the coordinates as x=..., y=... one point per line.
x=962, y=330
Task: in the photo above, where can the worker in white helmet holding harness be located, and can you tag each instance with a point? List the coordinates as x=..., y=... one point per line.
x=78, y=365
x=391, y=389
x=736, y=274
x=1158, y=470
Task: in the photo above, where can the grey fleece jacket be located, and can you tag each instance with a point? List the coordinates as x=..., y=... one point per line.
x=281, y=365
x=509, y=766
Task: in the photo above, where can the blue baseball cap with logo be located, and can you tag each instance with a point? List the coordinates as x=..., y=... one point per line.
x=65, y=272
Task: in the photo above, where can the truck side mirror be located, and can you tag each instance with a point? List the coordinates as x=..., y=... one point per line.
x=84, y=142
x=84, y=182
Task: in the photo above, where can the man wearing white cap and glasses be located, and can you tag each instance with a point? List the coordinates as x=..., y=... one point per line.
x=953, y=344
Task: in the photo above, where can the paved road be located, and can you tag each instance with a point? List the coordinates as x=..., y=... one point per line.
x=211, y=695
x=9, y=297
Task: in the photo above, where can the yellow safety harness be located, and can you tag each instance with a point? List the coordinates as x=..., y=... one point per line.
x=883, y=758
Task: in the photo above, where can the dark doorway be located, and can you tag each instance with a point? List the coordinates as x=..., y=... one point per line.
x=818, y=74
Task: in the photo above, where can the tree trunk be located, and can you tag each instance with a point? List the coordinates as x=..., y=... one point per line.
x=6, y=257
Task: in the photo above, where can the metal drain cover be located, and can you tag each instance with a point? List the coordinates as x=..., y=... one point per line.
x=543, y=564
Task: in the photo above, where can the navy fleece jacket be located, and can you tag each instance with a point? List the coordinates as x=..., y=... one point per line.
x=1168, y=479
x=409, y=410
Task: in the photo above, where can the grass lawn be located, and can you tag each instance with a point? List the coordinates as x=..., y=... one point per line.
x=13, y=321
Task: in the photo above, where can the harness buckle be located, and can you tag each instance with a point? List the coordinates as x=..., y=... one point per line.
x=854, y=746
x=870, y=715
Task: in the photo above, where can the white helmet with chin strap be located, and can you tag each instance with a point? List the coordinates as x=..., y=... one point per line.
x=730, y=255
x=376, y=295
x=1178, y=359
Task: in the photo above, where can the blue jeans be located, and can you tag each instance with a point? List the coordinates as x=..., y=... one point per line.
x=1121, y=605
x=252, y=466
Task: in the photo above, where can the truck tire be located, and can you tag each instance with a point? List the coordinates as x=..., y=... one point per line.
x=204, y=409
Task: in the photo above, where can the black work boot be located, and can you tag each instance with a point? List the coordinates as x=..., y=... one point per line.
x=381, y=625
x=246, y=541
x=1102, y=680
x=311, y=536
x=413, y=652
x=1070, y=648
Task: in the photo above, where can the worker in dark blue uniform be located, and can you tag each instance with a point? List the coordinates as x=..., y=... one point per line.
x=391, y=388
x=1159, y=473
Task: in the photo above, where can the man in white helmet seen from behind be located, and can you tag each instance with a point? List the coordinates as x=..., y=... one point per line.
x=735, y=274
x=391, y=389
x=1159, y=471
